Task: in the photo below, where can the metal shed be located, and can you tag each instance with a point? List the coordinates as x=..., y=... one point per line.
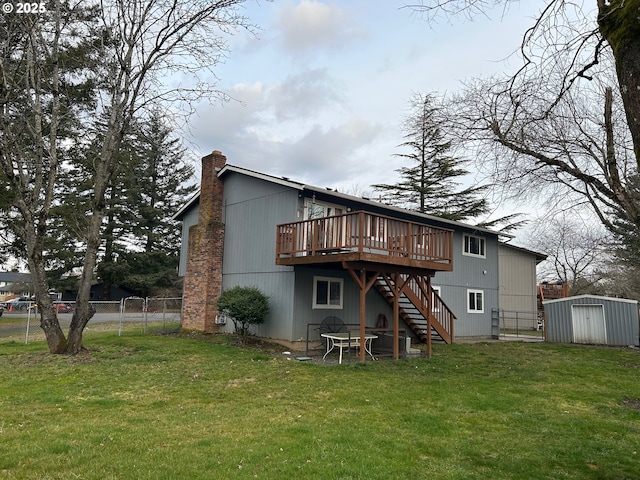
x=592, y=319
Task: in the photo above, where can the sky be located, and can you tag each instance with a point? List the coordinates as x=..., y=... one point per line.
x=321, y=92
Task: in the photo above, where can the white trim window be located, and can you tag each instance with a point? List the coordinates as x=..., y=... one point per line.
x=327, y=292
x=473, y=246
x=320, y=210
x=475, y=301
x=438, y=291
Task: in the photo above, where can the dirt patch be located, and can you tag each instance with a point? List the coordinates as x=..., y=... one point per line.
x=632, y=403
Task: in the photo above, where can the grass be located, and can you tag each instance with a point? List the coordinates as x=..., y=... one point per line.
x=523, y=331
x=162, y=407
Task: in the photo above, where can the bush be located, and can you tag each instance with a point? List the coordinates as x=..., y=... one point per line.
x=245, y=306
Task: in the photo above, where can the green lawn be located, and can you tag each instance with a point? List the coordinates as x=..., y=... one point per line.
x=162, y=407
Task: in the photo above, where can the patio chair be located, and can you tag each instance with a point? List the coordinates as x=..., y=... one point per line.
x=330, y=325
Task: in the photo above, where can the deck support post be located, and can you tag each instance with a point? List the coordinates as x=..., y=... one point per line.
x=363, y=318
x=396, y=284
x=396, y=319
x=360, y=278
x=429, y=309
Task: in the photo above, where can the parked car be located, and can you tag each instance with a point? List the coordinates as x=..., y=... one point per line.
x=62, y=307
x=19, y=303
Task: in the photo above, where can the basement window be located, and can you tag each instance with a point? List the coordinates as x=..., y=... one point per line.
x=327, y=292
x=475, y=301
x=434, y=306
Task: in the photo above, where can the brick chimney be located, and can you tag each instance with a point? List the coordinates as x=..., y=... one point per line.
x=203, y=276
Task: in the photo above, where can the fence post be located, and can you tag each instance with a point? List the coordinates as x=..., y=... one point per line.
x=495, y=323
x=26, y=338
x=145, y=309
x=122, y=300
x=164, y=316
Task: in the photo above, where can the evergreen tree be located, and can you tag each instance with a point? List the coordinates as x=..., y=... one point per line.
x=142, y=242
x=164, y=178
x=60, y=70
x=431, y=184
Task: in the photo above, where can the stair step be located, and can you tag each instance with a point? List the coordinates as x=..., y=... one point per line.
x=410, y=313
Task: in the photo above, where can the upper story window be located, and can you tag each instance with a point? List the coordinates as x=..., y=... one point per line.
x=315, y=210
x=474, y=246
x=327, y=292
x=319, y=210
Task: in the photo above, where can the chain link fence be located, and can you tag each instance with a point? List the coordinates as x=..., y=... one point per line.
x=512, y=323
x=151, y=314
x=132, y=314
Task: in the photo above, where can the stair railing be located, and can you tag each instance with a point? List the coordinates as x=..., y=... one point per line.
x=418, y=291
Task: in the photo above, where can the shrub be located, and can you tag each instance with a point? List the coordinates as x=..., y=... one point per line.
x=245, y=306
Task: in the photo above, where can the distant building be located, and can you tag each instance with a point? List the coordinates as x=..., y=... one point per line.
x=97, y=294
x=14, y=284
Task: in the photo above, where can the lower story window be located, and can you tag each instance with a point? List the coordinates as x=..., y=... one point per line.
x=475, y=301
x=327, y=292
x=435, y=307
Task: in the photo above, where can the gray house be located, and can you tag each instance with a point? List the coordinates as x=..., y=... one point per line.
x=592, y=319
x=318, y=253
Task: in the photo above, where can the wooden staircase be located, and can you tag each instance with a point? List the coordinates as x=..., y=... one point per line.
x=414, y=309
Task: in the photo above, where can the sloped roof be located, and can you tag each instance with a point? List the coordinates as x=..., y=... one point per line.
x=327, y=192
x=594, y=297
x=540, y=257
x=13, y=277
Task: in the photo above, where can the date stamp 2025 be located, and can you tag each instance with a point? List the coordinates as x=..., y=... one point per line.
x=20, y=7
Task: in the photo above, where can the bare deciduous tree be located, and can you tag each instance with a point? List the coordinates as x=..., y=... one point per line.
x=577, y=251
x=569, y=119
x=60, y=71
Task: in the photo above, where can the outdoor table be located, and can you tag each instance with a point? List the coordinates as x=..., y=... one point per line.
x=344, y=340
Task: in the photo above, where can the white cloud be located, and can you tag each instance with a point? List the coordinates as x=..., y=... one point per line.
x=311, y=24
x=319, y=104
x=313, y=153
x=321, y=154
x=286, y=108
x=304, y=94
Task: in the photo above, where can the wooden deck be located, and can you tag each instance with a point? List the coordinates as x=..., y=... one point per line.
x=364, y=237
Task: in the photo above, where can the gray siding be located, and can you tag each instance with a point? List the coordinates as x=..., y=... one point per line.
x=278, y=286
x=517, y=280
x=475, y=274
x=621, y=319
x=252, y=209
x=350, y=313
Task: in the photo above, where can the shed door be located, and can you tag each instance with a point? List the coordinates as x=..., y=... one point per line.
x=588, y=324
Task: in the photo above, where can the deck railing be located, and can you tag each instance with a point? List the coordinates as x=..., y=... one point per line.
x=427, y=300
x=364, y=232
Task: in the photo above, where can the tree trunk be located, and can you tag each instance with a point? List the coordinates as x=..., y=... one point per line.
x=56, y=340
x=105, y=166
x=34, y=201
x=33, y=240
x=83, y=311
x=619, y=25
